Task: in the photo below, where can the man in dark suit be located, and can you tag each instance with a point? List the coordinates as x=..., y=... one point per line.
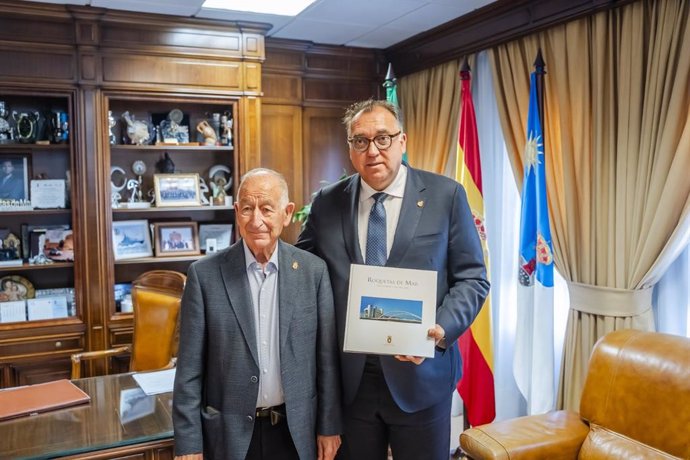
x=425, y=223
x=11, y=185
x=257, y=371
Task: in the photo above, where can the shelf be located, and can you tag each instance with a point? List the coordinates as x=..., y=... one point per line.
x=18, y=146
x=25, y=266
x=157, y=260
x=172, y=209
x=159, y=148
x=36, y=212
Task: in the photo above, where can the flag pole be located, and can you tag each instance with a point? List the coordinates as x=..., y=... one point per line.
x=539, y=67
x=465, y=74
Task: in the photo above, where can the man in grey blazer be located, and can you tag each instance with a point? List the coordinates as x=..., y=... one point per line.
x=401, y=401
x=257, y=371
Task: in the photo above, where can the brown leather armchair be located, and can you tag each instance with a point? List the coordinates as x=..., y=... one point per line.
x=156, y=298
x=635, y=405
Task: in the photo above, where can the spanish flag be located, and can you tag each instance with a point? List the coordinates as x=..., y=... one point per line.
x=477, y=384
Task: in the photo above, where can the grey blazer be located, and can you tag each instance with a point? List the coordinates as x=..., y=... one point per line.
x=435, y=232
x=216, y=383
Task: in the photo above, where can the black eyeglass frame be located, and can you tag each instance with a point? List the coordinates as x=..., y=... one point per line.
x=350, y=140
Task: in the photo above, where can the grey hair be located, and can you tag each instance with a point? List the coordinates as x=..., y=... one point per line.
x=284, y=198
x=367, y=106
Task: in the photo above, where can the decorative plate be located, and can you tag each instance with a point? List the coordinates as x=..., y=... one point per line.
x=15, y=287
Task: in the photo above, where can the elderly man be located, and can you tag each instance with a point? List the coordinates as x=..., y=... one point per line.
x=257, y=372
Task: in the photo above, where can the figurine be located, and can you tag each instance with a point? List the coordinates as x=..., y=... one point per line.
x=165, y=165
x=5, y=130
x=111, y=124
x=208, y=132
x=226, y=130
x=218, y=186
x=137, y=131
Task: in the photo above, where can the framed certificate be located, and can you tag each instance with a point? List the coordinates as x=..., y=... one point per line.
x=390, y=311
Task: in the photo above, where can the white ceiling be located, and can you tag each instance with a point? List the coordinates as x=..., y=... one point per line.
x=362, y=23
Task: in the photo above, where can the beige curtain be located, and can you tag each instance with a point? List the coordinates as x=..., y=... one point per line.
x=430, y=102
x=617, y=130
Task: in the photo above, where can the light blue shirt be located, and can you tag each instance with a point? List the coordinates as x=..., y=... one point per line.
x=263, y=284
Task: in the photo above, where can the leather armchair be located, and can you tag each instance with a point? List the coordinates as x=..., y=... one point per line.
x=635, y=405
x=156, y=298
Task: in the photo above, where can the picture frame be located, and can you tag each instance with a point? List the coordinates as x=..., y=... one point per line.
x=176, y=239
x=177, y=189
x=222, y=233
x=14, y=177
x=131, y=239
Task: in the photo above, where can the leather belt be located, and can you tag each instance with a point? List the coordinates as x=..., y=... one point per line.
x=276, y=413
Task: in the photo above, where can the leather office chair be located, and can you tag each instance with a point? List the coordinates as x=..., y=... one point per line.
x=156, y=298
x=635, y=405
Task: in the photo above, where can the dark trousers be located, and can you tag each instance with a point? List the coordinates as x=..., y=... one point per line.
x=271, y=442
x=374, y=421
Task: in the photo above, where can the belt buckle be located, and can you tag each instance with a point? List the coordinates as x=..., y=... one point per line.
x=276, y=417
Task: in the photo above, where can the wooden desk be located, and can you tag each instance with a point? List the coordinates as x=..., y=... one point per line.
x=119, y=422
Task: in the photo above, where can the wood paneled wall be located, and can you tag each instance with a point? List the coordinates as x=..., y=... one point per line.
x=306, y=89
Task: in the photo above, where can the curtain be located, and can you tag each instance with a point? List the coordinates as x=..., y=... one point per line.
x=617, y=130
x=430, y=103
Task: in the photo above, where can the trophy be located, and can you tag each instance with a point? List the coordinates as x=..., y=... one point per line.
x=137, y=130
x=60, y=125
x=112, y=140
x=5, y=130
x=26, y=126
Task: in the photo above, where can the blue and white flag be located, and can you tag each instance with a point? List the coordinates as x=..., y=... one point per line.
x=533, y=365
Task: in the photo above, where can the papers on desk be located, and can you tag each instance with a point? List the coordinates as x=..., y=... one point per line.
x=157, y=382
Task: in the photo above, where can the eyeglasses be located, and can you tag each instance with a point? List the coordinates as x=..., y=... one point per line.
x=360, y=144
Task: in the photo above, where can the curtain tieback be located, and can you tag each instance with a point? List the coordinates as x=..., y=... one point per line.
x=606, y=301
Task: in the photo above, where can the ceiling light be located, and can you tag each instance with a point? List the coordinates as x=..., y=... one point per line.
x=279, y=7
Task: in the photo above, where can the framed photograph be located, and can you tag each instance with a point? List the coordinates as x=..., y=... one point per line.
x=57, y=244
x=176, y=239
x=177, y=189
x=14, y=177
x=221, y=233
x=131, y=239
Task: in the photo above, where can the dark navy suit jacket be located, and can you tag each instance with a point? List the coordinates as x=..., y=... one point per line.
x=436, y=231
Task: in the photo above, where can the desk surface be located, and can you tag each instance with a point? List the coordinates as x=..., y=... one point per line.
x=119, y=414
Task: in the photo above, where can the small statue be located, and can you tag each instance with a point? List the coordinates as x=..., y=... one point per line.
x=165, y=165
x=5, y=130
x=208, y=132
x=137, y=131
x=134, y=187
x=226, y=130
x=112, y=139
x=218, y=186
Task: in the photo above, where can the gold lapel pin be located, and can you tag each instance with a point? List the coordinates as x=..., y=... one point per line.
x=295, y=265
x=420, y=204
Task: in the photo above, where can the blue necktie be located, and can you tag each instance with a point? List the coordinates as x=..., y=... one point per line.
x=376, y=234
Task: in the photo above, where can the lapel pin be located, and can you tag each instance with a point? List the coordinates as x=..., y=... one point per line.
x=295, y=265
x=420, y=204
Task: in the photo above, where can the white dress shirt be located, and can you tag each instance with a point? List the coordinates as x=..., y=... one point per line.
x=392, y=204
x=263, y=283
